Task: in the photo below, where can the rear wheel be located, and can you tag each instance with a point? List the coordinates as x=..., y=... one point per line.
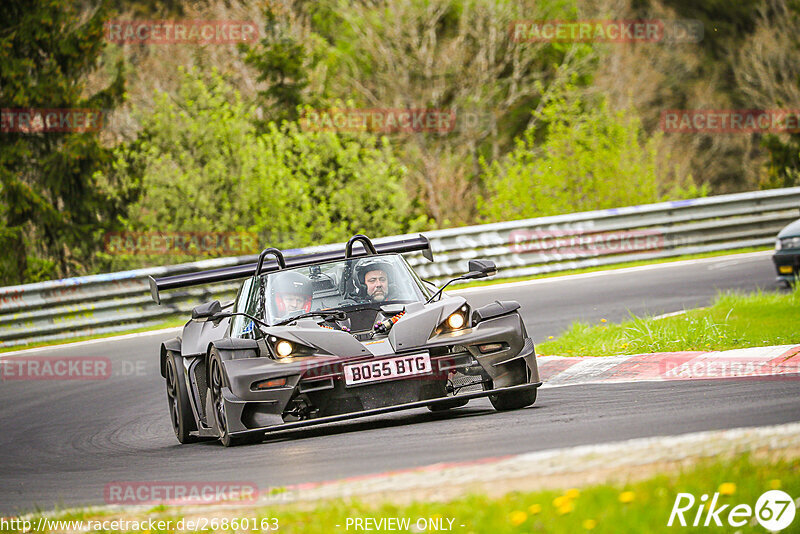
x=180, y=410
x=513, y=400
x=215, y=384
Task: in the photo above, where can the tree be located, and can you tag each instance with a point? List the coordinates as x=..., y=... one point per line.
x=453, y=55
x=590, y=158
x=52, y=210
x=768, y=77
x=280, y=61
x=203, y=166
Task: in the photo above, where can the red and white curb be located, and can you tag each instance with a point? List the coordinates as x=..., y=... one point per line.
x=778, y=362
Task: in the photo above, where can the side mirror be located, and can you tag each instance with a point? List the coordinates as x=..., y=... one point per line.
x=204, y=312
x=481, y=269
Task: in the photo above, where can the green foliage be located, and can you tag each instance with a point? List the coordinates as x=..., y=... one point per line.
x=590, y=158
x=51, y=208
x=200, y=165
x=784, y=156
x=280, y=62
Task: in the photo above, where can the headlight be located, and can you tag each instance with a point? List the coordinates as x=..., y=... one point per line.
x=456, y=321
x=777, y=244
x=283, y=348
x=788, y=242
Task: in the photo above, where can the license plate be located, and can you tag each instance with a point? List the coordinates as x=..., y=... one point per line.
x=388, y=369
x=785, y=269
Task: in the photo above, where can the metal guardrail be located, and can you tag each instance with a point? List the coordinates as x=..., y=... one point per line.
x=113, y=302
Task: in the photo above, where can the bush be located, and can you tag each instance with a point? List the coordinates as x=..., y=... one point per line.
x=578, y=157
x=200, y=165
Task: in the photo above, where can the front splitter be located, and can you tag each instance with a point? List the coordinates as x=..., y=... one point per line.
x=386, y=409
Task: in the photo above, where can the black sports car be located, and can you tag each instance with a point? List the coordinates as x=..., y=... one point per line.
x=787, y=253
x=322, y=337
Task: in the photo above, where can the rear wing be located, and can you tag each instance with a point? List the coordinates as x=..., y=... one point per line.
x=225, y=274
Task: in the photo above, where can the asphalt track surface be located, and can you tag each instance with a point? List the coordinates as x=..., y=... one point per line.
x=62, y=442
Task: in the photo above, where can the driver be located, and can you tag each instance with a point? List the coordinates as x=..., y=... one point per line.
x=291, y=292
x=374, y=275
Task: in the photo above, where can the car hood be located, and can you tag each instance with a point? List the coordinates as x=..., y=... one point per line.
x=413, y=330
x=791, y=230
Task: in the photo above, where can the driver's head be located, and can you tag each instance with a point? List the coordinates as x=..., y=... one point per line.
x=291, y=292
x=373, y=276
x=377, y=282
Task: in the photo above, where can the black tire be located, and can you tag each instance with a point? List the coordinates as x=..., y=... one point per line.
x=215, y=384
x=444, y=406
x=180, y=410
x=513, y=400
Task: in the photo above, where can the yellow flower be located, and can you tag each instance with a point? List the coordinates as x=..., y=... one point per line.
x=535, y=509
x=775, y=484
x=565, y=509
x=560, y=501
x=589, y=524
x=626, y=497
x=727, y=488
x=517, y=517
x=602, y=320
x=549, y=337
x=572, y=493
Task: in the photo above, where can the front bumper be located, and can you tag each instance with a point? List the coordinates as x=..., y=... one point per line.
x=459, y=368
x=386, y=409
x=787, y=264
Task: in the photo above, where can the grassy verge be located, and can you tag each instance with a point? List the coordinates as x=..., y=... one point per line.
x=732, y=321
x=166, y=324
x=611, y=267
x=642, y=506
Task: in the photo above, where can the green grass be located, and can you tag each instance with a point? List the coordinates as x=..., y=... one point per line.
x=166, y=324
x=616, y=266
x=636, y=507
x=733, y=321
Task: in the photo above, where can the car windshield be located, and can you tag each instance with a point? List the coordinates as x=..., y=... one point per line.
x=366, y=281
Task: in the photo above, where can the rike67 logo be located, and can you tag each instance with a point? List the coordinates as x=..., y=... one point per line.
x=774, y=510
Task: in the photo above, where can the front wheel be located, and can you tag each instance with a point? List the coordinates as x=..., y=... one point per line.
x=513, y=400
x=216, y=383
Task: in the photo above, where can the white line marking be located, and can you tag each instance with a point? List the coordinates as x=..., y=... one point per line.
x=93, y=341
x=674, y=314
